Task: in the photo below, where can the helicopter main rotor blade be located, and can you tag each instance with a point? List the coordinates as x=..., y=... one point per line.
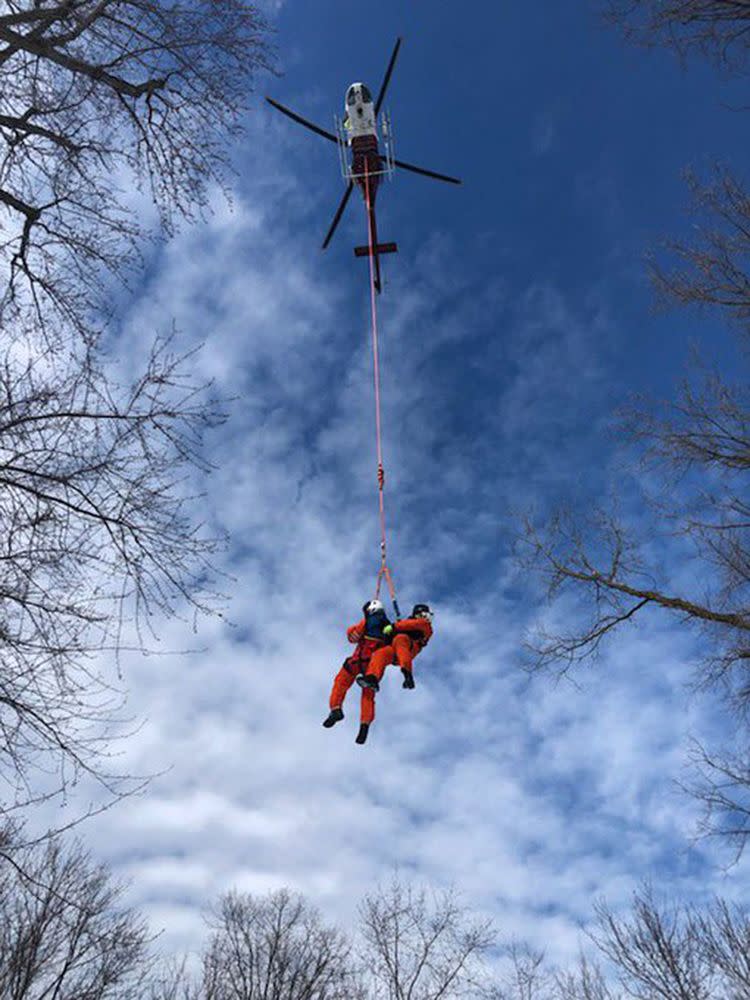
x=425, y=172
x=337, y=216
x=302, y=121
x=387, y=77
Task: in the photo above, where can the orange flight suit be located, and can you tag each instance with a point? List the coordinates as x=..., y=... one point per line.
x=358, y=662
x=411, y=636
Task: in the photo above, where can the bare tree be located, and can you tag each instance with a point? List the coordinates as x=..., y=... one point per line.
x=529, y=977
x=713, y=269
x=662, y=951
x=718, y=29
x=272, y=947
x=659, y=952
x=96, y=95
x=422, y=945
x=587, y=982
x=98, y=540
x=721, y=783
x=700, y=446
x=725, y=934
x=676, y=952
x=599, y=559
x=172, y=981
x=64, y=932
x=697, y=450
x=655, y=951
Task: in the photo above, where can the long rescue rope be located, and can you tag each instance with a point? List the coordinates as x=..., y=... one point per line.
x=384, y=572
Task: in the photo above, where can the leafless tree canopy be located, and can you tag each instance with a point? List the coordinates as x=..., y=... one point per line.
x=422, y=946
x=64, y=932
x=97, y=537
x=713, y=269
x=721, y=783
x=719, y=29
x=272, y=947
x=699, y=447
x=528, y=978
x=697, y=450
x=587, y=982
x=657, y=951
x=93, y=95
x=98, y=98
x=677, y=952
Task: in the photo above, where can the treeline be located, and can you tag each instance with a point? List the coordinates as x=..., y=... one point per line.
x=66, y=933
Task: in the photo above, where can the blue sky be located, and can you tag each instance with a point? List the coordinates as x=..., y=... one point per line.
x=516, y=316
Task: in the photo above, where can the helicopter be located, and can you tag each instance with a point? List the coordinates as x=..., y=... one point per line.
x=362, y=162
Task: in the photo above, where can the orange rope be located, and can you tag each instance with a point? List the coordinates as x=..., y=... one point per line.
x=383, y=572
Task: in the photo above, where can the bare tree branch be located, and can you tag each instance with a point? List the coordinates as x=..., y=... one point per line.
x=421, y=946
x=92, y=91
x=697, y=449
x=718, y=29
x=97, y=535
x=274, y=946
x=63, y=930
x=658, y=952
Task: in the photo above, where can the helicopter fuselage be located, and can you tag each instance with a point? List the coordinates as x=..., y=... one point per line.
x=362, y=130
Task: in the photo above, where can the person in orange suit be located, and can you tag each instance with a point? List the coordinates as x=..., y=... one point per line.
x=410, y=636
x=370, y=634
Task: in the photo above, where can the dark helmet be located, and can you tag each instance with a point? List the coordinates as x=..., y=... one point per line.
x=422, y=611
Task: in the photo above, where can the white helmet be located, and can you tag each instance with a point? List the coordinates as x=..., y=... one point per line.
x=371, y=607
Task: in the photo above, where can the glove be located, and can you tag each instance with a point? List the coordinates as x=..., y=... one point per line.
x=408, y=679
x=388, y=631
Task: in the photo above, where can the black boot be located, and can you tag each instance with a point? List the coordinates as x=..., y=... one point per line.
x=362, y=734
x=368, y=681
x=335, y=715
